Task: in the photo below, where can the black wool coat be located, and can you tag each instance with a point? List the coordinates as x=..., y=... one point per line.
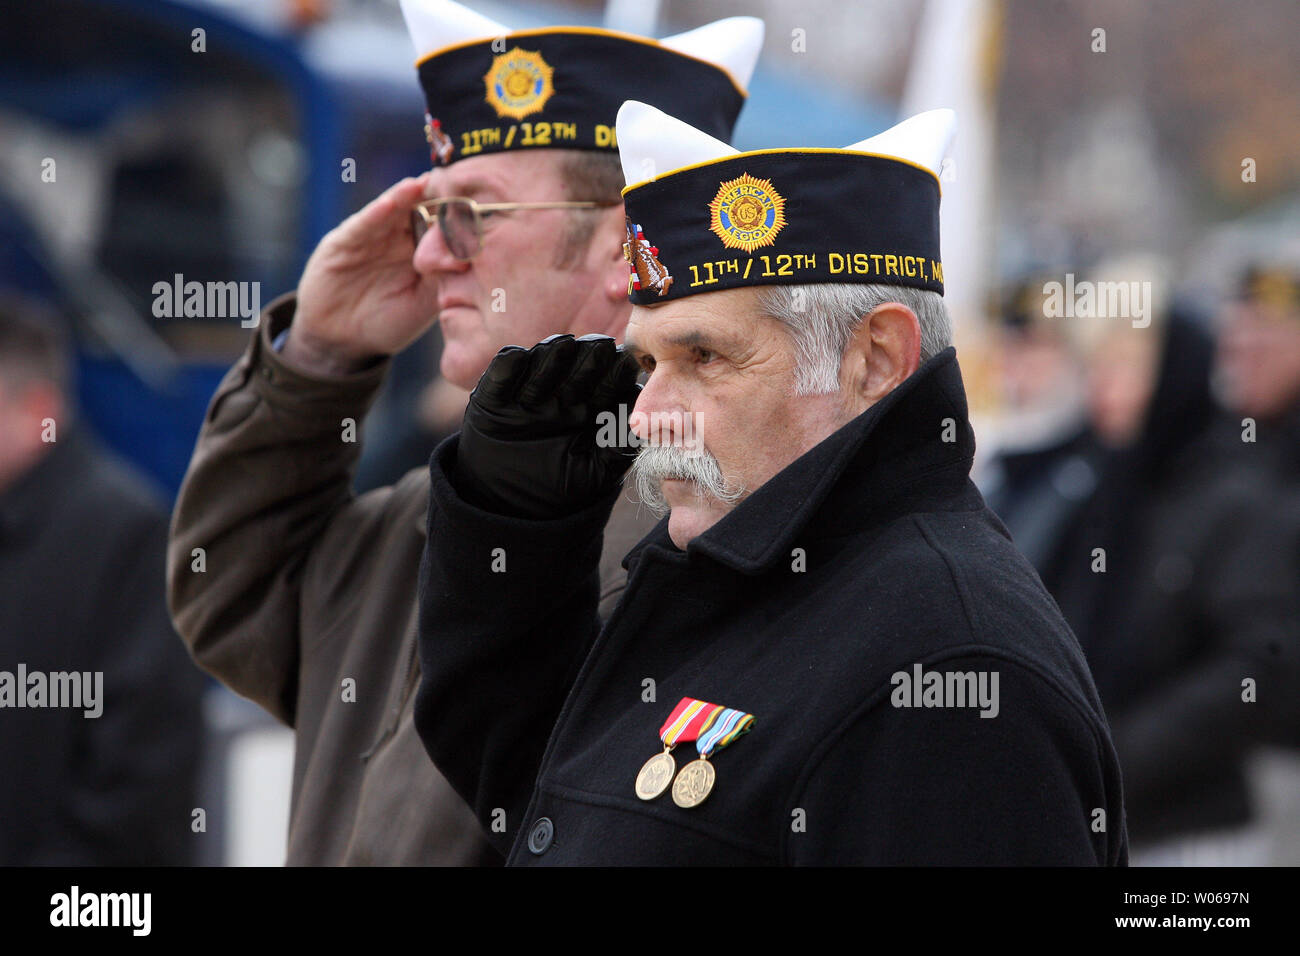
x=82, y=542
x=870, y=557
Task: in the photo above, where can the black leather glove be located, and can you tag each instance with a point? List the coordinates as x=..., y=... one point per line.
x=528, y=446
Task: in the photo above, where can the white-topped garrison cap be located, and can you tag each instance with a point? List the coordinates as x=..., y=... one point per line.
x=490, y=88
x=703, y=217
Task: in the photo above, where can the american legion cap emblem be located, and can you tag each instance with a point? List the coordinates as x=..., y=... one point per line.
x=747, y=213
x=518, y=83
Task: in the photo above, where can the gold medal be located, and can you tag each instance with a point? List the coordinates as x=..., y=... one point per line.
x=711, y=727
x=682, y=726
x=655, y=776
x=693, y=784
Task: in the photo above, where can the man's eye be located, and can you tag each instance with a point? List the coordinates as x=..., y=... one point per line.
x=705, y=356
x=647, y=364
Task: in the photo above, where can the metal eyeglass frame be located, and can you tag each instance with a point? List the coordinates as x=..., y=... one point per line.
x=427, y=212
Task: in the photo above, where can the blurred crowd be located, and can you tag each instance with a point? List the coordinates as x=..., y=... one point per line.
x=1152, y=476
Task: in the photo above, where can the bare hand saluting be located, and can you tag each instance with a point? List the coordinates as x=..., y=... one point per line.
x=359, y=297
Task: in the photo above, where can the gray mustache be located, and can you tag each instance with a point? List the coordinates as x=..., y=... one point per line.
x=655, y=464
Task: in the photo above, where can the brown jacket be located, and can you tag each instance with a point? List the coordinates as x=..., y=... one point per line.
x=305, y=587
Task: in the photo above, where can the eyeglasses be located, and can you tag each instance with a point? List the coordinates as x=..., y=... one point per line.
x=461, y=220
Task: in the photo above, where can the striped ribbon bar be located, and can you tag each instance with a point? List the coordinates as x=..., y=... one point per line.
x=724, y=726
x=688, y=718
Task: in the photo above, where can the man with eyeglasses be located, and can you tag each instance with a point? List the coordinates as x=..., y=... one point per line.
x=304, y=597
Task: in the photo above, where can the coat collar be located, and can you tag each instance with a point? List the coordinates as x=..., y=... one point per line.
x=893, y=451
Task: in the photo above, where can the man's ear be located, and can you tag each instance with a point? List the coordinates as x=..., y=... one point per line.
x=613, y=268
x=883, y=351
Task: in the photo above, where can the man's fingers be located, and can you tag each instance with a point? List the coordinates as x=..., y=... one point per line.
x=596, y=352
x=503, y=375
x=388, y=213
x=619, y=383
x=553, y=360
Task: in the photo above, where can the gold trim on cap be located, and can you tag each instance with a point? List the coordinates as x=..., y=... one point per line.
x=790, y=151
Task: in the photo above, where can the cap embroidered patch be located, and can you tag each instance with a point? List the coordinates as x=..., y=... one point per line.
x=518, y=83
x=647, y=271
x=747, y=213
x=441, y=147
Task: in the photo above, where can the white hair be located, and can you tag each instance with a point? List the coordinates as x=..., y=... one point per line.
x=823, y=316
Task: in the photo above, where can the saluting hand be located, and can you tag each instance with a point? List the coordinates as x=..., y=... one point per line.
x=528, y=446
x=360, y=297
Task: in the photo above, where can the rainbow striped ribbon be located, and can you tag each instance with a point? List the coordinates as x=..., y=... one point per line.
x=688, y=718
x=724, y=726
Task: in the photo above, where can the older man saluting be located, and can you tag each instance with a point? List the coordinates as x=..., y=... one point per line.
x=830, y=652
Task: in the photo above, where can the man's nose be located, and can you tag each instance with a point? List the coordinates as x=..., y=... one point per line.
x=433, y=256
x=638, y=418
x=657, y=415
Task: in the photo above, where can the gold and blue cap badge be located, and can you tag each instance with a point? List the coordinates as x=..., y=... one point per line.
x=747, y=213
x=491, y=89
x=720, y=219
x=518, y=83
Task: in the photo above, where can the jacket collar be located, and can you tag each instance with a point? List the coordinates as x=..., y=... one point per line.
x=893, y=452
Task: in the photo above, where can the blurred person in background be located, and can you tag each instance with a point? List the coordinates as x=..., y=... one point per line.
x=1045, y=465
x=1257, y=378
x=82, y=544
x=1181, y=584
x=1258, y=366
x=307, y=601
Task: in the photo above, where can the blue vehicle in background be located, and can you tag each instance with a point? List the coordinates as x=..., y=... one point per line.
x=145, y=139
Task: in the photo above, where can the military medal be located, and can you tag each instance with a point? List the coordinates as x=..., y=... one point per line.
x=683, y=725
x=695, y=782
